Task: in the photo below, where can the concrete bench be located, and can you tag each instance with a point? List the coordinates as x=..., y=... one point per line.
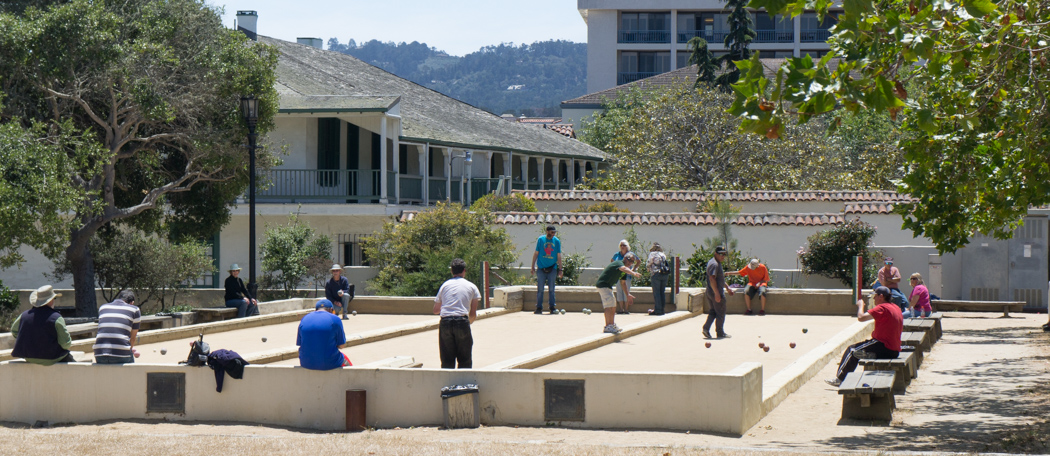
x=206, y=314
x=82, y=331
x=1006, y=306
x=903, y=365
x=868, y=395
x=396, y=361
x=149, y=322
x=917, y=339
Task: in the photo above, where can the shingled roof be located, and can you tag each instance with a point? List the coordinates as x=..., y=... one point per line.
x=311, y=79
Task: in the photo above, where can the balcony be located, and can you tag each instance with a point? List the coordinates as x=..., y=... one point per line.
x=814, y=35
x=644, y=36
x=360, y=186
x=624, y=78
x=774, y=36
x=711, y=36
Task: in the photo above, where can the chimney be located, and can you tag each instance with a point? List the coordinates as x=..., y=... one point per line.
x=314, y=42
x=247, y=22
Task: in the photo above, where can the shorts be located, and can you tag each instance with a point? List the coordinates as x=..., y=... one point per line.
x=346, y=360
x=608, y=298
x=752, y=290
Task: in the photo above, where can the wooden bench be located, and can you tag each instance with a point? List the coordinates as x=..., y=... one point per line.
x=917, y=339
x=903, y=365
x=1006, y=306
x=926, y=325
x=207, y=314
x=917, y=356
x=868, y=395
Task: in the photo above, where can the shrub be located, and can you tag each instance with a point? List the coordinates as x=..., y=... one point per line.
x=514, y=202
x=697, y=262
x=604, y=206
x=573, y=264
x=8, y=307
x=287, y=254
x=830, y=252
x=412, y=258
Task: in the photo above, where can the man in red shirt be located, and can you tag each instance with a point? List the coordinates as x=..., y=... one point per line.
x=885, y=342
x=757, y=279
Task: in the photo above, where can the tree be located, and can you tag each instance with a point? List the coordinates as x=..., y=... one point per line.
x=291, y=253
x=724, y=213
x=413, y=257
x=738, y=42
x=705, y=62
x=977, y=129
x=152, y=88
x=678, y=137
x=830, y=252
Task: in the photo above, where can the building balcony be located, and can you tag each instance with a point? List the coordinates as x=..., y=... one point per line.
x=624, y=78
x=644, y=36
x=711, y=36
x=814, y=35
x=774, y=36
x=363, y=186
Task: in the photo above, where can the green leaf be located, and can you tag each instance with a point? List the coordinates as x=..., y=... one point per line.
x=979, y=8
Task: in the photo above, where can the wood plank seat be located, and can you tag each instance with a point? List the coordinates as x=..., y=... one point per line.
x=207, y=314
x=868, y=395
x=916, y=338
x=917, y=356
x=903, y=365
x=1006, y=306
x=926, y=325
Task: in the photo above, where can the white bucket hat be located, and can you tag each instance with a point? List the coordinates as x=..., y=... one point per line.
x=234, y=267
x=336, y=267
x=42, y=296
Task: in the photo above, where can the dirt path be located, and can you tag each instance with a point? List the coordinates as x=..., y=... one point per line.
x=982, y=384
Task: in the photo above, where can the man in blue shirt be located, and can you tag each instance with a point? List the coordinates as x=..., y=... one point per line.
x=547, y=258
x=320, y=338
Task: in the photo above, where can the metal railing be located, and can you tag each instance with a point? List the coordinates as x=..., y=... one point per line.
x=624, y=78
x=774, y=36
x=814, y=35
x=318, y=185
x=711, y=36
x=644, y=36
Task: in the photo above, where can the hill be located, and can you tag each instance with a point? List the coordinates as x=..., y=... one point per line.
x=530, y=79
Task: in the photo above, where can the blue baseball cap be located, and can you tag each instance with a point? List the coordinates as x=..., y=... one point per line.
x=323, y=303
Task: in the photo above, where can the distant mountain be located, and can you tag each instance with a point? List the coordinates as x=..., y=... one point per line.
x=530, y=79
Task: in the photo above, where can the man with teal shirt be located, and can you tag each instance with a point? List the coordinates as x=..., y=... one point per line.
x=547, y=258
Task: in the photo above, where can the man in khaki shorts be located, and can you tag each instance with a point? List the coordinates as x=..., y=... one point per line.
x=609, y=278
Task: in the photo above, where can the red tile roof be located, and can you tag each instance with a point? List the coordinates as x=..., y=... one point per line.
x=869, y=197
x=563, y=129
x=651, y=218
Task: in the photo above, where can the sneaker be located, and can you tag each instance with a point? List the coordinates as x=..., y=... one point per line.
x=761, y=313
x=626, y=312
x=833, y=381
x=748, y=312
x=724, y=336
x=553, y=311
x=612, y=329
x=707, y=334
x=539, y=311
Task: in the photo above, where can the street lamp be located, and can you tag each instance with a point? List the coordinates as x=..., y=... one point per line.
x=250, y=111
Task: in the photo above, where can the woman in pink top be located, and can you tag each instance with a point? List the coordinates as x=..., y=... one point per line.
x=919, y=299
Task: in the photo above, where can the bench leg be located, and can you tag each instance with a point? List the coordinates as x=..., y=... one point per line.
x=1006, y=311
x=879, y=406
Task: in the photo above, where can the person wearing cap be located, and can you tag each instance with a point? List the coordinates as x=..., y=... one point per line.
x=457, y=304
x=611, y=277
x=40, y=333
x=118, y=327
x=890, y=277
x=320, y=337
x=885, y=342
x=624, y=299
x=715, y=293
x=237, y=294
x=546, y=266
x=757, y=279
x=338, y=290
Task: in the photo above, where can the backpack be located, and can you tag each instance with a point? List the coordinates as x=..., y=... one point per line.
x=199, y=351
x=664, y=267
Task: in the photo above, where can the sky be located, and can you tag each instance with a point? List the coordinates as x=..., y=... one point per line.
x=458, y=27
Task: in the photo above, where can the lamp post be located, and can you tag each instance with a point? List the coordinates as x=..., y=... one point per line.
x=250, y=111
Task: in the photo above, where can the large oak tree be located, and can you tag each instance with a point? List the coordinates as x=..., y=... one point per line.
x=140, y=99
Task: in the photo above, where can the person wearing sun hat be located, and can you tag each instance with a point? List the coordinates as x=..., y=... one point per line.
x=237, y=294
x=40, y=333
x=339, y=290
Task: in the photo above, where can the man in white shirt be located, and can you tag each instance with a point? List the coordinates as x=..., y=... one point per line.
x=457, y=303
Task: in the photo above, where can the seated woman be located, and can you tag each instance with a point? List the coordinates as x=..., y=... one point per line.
x=919, y=299
x=237, y=295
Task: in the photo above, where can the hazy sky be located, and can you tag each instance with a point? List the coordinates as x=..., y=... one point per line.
x=456, y=26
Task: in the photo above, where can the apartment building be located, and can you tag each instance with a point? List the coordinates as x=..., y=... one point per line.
x=628, y=40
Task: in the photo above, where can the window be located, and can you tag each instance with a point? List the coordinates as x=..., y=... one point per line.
x=350, y=251
x=814, y=29
x=328, y=152
x=640, y=65
x=645, y=28
x=776, y=29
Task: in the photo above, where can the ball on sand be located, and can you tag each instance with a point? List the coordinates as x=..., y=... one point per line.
x=804, y=330
x=164, y=351
x=708, y=344
x=264, y=339
x=792, y=345
x=354, y=313
x=563, y=311
x=765, y=348
x=761, y=345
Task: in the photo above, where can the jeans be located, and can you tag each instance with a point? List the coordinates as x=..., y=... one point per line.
x=910, y=313
x=114, y=359
x=716, y=314
x=897, y=297
x=545, y=278
x=455, y=342
x=244, y=309
x=659, y=282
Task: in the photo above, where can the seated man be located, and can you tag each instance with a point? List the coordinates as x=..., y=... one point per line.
x=320, y=338
x=339, y=290
x=40, y=333
x=757, y=279
x=885, y=342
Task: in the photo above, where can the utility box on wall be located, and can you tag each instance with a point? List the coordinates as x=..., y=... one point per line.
x=1016, y=269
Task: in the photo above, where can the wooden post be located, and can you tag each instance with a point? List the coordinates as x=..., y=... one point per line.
x=858, y=278
x=486, y=282
x=355, y=410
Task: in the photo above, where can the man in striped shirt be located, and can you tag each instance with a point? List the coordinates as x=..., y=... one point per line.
x=118, y=325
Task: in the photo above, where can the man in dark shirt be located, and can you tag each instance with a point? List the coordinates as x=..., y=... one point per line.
x=40, y=333
x=716, y=298
x=338, y=290
x=237, y=294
